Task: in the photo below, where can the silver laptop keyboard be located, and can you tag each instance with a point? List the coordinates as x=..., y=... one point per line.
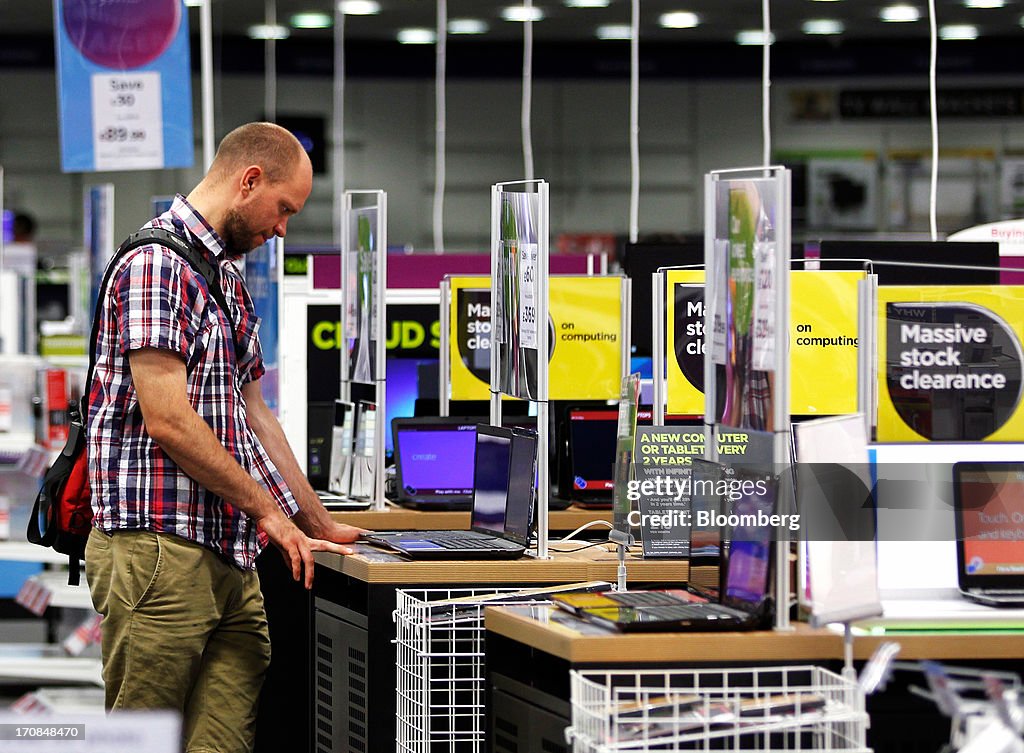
x=462, y=542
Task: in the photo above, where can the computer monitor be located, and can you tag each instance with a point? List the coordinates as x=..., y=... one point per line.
x=364, y=458
x=586, y=438
x=491, y=469
x=342, y=446
x=434, y=461
x=319, y=427
x=974, y=254
x=639, y=262
x=750, y=545
x=519, y=511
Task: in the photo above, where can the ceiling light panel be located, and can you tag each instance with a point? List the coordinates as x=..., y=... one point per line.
x=587, y=3
x=311, y=21
x=268, y=31
x=614, y=31
x=958, y=32
x=984, y=3
x=895, y=14
x=467, y=26
x=359, y=7
x=679, y=19
x=752, y=37
x=522, y=13
x=823, y=26
x=416, y=36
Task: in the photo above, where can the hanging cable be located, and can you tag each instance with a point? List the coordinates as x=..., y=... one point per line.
x=206, y=79
x=270, y=63
x=766, y=81
x=933, y=104
x=634, y=123
x=527, y=90
x=338, y=124
x=440, y=106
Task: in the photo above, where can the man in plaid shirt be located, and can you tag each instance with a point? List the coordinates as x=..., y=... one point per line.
x=190, y=471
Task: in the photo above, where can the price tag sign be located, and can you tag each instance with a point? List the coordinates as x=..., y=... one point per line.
x=765, y=291
x=127, y=121
x=528, y=295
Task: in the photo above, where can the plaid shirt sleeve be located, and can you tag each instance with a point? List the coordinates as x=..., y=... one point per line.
x=158, y=303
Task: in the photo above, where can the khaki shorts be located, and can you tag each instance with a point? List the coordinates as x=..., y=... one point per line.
x=182, y=629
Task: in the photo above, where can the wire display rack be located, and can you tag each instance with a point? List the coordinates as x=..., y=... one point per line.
x=440, y=667
x=807, y=709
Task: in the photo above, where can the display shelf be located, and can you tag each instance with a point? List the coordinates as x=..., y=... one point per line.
x=372, y=565
x=397, y=518
x=558, y=633
x=60, y=700
x=63, y=595
x=46, y=663
x=22, y=551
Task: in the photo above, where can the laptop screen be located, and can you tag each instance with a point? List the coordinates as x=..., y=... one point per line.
x=491, y=478
x=592, y=451
x=591, y=439
x=521, y=488
x=750, y=547
x=989, y=499
x=434, y=458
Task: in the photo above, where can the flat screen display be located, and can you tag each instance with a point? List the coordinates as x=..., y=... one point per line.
x=491, y=478
x=750, y=545
x=522, y=487
x=436, y=459
x=991, y=510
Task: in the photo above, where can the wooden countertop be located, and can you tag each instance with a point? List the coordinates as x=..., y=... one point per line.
x=397, y=518
x=552, y=631
x=375, y=565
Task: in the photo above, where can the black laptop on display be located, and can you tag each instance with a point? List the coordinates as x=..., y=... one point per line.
x=989, y=505
x=504, y=474
x=434, y=462
x=743, y=601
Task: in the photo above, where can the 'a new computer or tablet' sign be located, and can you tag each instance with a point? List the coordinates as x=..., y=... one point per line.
x=951, y=369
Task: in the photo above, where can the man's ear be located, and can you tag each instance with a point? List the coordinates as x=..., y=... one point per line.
x=250, y=179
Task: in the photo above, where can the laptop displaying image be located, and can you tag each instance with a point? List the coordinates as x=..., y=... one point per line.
x=989, y=510
x=743, y=602
x=434, y=462
x=504, y=473
x=590, y=435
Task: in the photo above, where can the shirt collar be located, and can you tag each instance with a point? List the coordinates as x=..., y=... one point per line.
x=197, y=226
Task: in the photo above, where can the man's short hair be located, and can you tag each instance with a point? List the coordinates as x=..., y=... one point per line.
x=268, y=145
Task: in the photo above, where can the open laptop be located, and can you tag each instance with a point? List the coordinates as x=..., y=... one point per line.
x=339, y=448
x=364, y=459
x=989, y=510
x=434, y=462
x=504, y=473
x=744, y=599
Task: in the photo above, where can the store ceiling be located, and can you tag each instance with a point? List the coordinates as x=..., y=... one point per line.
x=720, y=20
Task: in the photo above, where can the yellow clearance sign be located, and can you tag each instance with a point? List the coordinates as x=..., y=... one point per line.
x=949, y=363
x=822, y=342
x=585, y=332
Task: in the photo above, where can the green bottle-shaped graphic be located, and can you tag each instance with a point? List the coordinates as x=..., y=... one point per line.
x=742, y=224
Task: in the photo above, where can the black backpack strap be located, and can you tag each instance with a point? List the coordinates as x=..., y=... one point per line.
x=196, y=260
x=145, y=237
